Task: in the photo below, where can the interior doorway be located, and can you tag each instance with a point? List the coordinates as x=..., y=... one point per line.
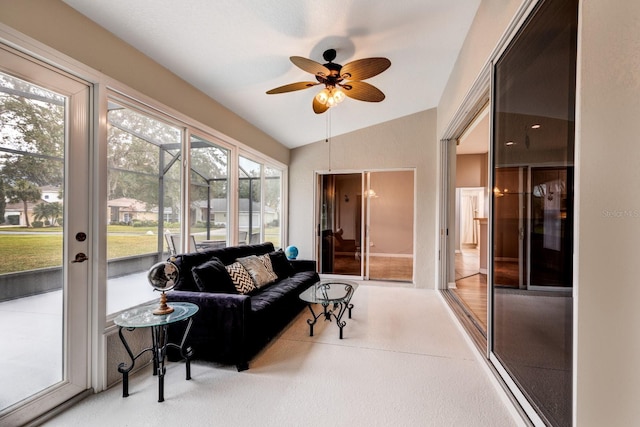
x=366, y=224
x=470, y=235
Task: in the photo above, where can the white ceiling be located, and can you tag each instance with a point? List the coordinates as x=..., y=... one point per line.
x=236, y=50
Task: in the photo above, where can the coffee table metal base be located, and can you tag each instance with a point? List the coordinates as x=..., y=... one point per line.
x=335, y=298
x=328, y=313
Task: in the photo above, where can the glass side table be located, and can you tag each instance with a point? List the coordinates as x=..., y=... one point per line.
x=143, y=317
x=329, y=292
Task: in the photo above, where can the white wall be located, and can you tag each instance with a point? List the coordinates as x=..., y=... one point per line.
x=405, y=142
x=607, y=318
x=491, y=21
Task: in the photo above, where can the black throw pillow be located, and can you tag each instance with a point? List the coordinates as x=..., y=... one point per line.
x=280, y=264
x=213, y=277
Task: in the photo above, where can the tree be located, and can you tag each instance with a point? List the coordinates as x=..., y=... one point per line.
x=141, y=151
x=32, y=121
x=32, y=129
x=47, y=211
x=25, y=192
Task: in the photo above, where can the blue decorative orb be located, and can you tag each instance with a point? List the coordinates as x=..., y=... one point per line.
x=291, y=252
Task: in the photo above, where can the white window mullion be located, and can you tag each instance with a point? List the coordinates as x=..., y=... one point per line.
x=185, y=220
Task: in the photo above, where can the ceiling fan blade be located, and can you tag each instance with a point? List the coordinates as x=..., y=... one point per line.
x=362, y=69
x=310, y=66
x=292, y=87
x=319, y=108
x=362, y=91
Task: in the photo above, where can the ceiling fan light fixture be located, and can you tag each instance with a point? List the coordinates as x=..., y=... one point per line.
x=331, y=102
x=330, y=96
x=323, y=96
x=338, y=95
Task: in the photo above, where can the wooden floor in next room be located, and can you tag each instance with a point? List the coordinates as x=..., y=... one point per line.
x=471, y=285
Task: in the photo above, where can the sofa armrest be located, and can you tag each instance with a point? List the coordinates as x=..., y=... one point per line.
x=303, y=265
x=220, y=327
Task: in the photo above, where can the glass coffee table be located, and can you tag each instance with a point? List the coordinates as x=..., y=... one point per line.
x=335, y=297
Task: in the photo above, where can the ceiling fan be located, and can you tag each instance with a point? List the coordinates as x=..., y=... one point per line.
x=339, y=80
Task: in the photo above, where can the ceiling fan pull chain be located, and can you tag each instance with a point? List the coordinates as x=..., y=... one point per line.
x=328, y=139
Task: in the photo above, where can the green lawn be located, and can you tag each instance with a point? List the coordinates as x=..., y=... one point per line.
x=27, y=252
x=40, y=248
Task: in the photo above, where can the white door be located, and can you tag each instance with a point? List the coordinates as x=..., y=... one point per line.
x=44, y=237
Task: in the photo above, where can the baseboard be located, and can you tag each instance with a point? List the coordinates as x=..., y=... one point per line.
x=504, y=258
x=378, y=254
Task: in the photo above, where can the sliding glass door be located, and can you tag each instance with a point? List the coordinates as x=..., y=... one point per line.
x=340, y=228
x=366, y=223
x=531, y=279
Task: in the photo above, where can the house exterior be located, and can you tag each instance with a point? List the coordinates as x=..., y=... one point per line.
x=606, y=342
x=14, y=212
x=219, y=211
x=124, y=210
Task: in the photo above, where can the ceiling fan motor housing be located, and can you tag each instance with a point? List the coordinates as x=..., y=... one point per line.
x=333, y=78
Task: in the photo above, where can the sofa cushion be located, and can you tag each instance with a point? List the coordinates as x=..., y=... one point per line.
x=257, y=270
x=283, y=291
x=281, y=265
x=212, y=276
x=240, y=277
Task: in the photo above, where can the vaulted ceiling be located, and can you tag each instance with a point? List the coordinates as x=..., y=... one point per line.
x=236, y=50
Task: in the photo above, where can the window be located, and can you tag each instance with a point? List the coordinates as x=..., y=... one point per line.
x=209, y=193
x=249, y=201
x=143, y=200
x=272, y=205
x=259, y=202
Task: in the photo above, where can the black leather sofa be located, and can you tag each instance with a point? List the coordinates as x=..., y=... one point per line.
x=231, y=328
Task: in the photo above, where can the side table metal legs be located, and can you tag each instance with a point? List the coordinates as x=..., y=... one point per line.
x=159, y=344
x=159, y=340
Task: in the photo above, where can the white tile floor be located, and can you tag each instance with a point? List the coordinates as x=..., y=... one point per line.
x=403, y=361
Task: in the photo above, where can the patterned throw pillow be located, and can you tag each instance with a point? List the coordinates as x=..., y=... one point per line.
x=240, y=278
x=257, y=270
x=266, y=260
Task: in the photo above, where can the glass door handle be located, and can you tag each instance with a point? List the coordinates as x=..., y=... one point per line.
x=80, y=257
